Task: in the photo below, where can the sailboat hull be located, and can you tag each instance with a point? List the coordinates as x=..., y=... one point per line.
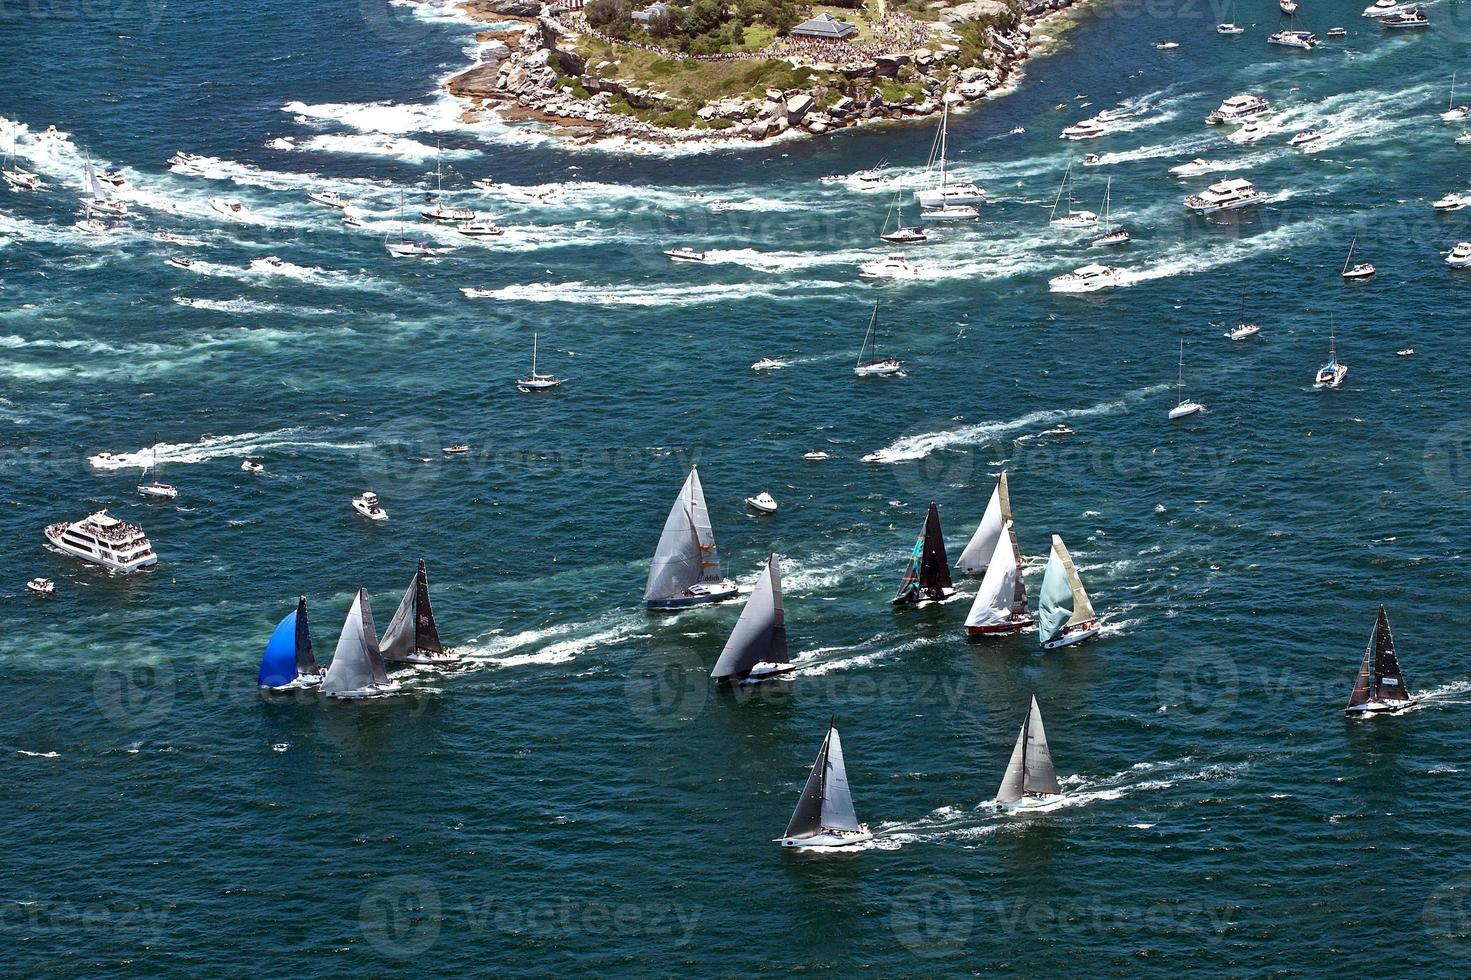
x=1371, y=708
x=759, y=674
x=1002, y=629
x=1032, y=801
x=302, y=682
x=697, y=595
x=424, y=658
x=918, y=599
x=364, y=693
x=1073, y=634
x=829, y=839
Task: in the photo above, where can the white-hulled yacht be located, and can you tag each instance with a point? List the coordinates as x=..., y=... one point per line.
x=1087, y=129
x=1332, y=374
x=104, y=540
x=1381, y=8
x=367, y=504
x=480, y=227
x=892, y=266
x=1200, y=165
x=1358, y=270
x=327, y=198
x=537, y=381
x=1253, y=132
x=1225, y=195
x=1460, y=256
x=1405, y=20
x=1453, y=112
x=1238, y=108
x=1304, y=138
x=228, y=206
x=945, y=193
x=1070, y=218
x=1301, y=40
x=1087, y=279
x=1451, y=202
x=1184, y=406
x=683, y=255
x=950, y=212
x=404, y=248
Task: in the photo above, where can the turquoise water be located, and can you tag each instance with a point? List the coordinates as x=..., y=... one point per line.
x=578, y=797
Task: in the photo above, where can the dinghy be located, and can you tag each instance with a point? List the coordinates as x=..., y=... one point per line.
x=977, y=552
x=1066, y=612
x=1000, y=606
x=875, y=367
x=1381, y=687
x=927, y=578
x=824, y=816
x=686, y=566
x=757, y=647
x=412, y=636
x=288, y=663
x=357, y=669
x=1030, y=779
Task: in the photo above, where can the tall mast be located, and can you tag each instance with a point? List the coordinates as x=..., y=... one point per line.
x=1181, y=382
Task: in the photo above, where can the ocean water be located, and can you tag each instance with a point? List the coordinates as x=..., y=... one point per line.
x=578, y=797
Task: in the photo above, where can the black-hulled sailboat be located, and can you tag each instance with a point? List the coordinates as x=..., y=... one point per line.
x=1030, y=779
x=287, y=663
x=686, y=566
x=412, y=636
x=824, y=816
x=927, y=579
x=1380, y=688
x=357, y=669
x=757, y=648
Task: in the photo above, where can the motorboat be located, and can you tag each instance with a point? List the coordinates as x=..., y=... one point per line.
x=113, y=177
x=1381, y=8
x=367, y=505
x=1238, y=108
x=1229, y=29
x=1405, y=20
x=92, y=226
x=328, y=198
x=353, y=221
x=456, y=449
x=1091, y=160
x=768, y=364
x=1464, y=139
x=1243, y=331
x=1451, y=202
x=1166, y=45
x=1200, y=165
x=1301, y=40
x=404, y=249
x=180, y=262
x=1087, y=129
x=1252, y=132
x=1405, y=352
x=1087, y=279
x=1337, y=32
x=182, y=158
x=111, y=209
x=164, y=491
x=228, y=206
x=1287, y=6
x=441, y=213
x=537, y=381
x=913, y=235
x=1305, y=137
x=252, y=465
x=763, y=503
x=480, y=228
x=1060, y=429
x=683, y=255
x=892, y=266
x=1460, y=256
x=117, y=545
x=950, y=212
x=269, y=262
x=1225, y=195
x=41, y=586
x=815, y=456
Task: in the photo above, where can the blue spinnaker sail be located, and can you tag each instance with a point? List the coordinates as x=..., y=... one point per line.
x=278, y=663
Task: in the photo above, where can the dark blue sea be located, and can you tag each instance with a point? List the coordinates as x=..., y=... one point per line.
x=579, y=797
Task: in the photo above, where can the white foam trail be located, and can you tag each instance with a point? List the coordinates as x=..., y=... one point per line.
x=554, y=644
x=250, y=306
x=641, y=295
x=216, y=447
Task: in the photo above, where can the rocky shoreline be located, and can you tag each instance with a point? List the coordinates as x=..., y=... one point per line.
x=533, y=70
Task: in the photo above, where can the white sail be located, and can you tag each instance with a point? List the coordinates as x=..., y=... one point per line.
x=398, y=639
x=997, y=595
x=686, y=554
x=1029, y=771
x=826, y=802
x=982, y=544
x=356, y=663
x=760, y=635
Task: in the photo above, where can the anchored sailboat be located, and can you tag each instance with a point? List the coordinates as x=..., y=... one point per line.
x=357, y=669
x=686, y=566
x=877, y=367
x=1380, y=687
x=412, y=636
x=403, y=248
x=1332, y=374
x=825, y=816
x=1453, y=112
x=927, y=578
x=1067, y=615
x=945, y=194
x=901, y=235
x=1184, y=406
x=537, y=381
x=439, y=212
x=1030, y=779
x=1110, y=236
x=287, y=663
x=1071, y=219
x=1361, y=271
x=1000, y=606
x=977, y=552
x=757, y=648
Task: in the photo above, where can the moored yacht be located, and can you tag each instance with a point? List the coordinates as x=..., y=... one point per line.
x=1332, y=374
x=870, y=365
x=1460, y=256
x=1087, y=129
x=104, y=540
x=1238, y=108
x=949, y=212
x=1405, y=20
x=480, y=227
x=1185, y=406
x=1225, y=195
x=1359, y=270
x=945, y=193
x=536, y=381
x=892, y=266
x=1087, y=279
x=1301, y=40
x=1243, y=331
x=367, y=505
x=1070, y=218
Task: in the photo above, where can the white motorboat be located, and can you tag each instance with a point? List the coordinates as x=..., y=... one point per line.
x=41, y=586
x=1087, y=279
x=1200, y=165
x=1460, y=256
x=104, y=540
x=456, y=449
x=537, y=381
x=328, y=198
x=1243, y=331
x=367, y=505
x=1381, y=8
x=1301, y=40
x=815, y=456
x=763, y=503
x=268, y=263
x=1332, y=374
x=1225, y=195
x=1252, y=132
x=1087, y=129
x=184, y=158
x=683, y=255
x=1070, y=218
x=1305, y=137
x=180, y=262
x=1166, y=45
x=1359, y=270
x=892, y=266
x=768, y=364
x=1451, y=202
x=228, y=206
x=1287, y=6
x=1405, y=352
x=1405, y=20
x=1185, y=406
x=1238, y=108
x=165, y=491
x=1337, y=32
x=92, y=226
x=480, y=228
x=1230, y=29
x=945, y=193
x=353, y=221
x=1464, y=139
x=950, y=212
x=1091, y=160
x=114, y=178
x=252, y=465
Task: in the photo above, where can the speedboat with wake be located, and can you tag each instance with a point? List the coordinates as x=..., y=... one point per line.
x=683, y=255
x=1200, y=165
x=1381, y=8
x=228, y=206
x=480, y=228
x=825, y=818
x=180, y=262
x=252, y=465
x=1087, y=129
x=1304, y=138
x=1238, y=108
x=1252, y=132
x=328, y=198
x=1451, y=202
x=892, y=266
x=1087, y=279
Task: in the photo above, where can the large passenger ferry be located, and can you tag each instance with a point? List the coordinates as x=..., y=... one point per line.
x=104, y=540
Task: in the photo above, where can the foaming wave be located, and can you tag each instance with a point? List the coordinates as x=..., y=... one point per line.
x=639, y=295
x=215, y=447
x=248, y=306
x=554, y=644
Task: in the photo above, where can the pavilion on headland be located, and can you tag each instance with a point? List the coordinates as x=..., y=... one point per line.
x=825, y=27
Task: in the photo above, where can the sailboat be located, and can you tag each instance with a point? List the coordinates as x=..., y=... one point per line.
x=1380, y=687
x=403, y=248
x=1030, y=779
x=1230, y=28
x=901, y=235
x=1072, y=219
x=1183, y=407
x=1000, y=606
x=1066, y=612
x=154, y=488
x=439, y=212
x=1453, y=112
x=357, y=669
x=1332, y=374
x=978, y=550
x=1115, y=236
x=287, y=663
x=877, y=367
x=686, y=566
x=824, y=816
x=101, y=200
x=22, y=180
x=537, y=381
x=757, y=647
x=1361, y=271
x=945, y=194
x=927, y=577
x=412, y=636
